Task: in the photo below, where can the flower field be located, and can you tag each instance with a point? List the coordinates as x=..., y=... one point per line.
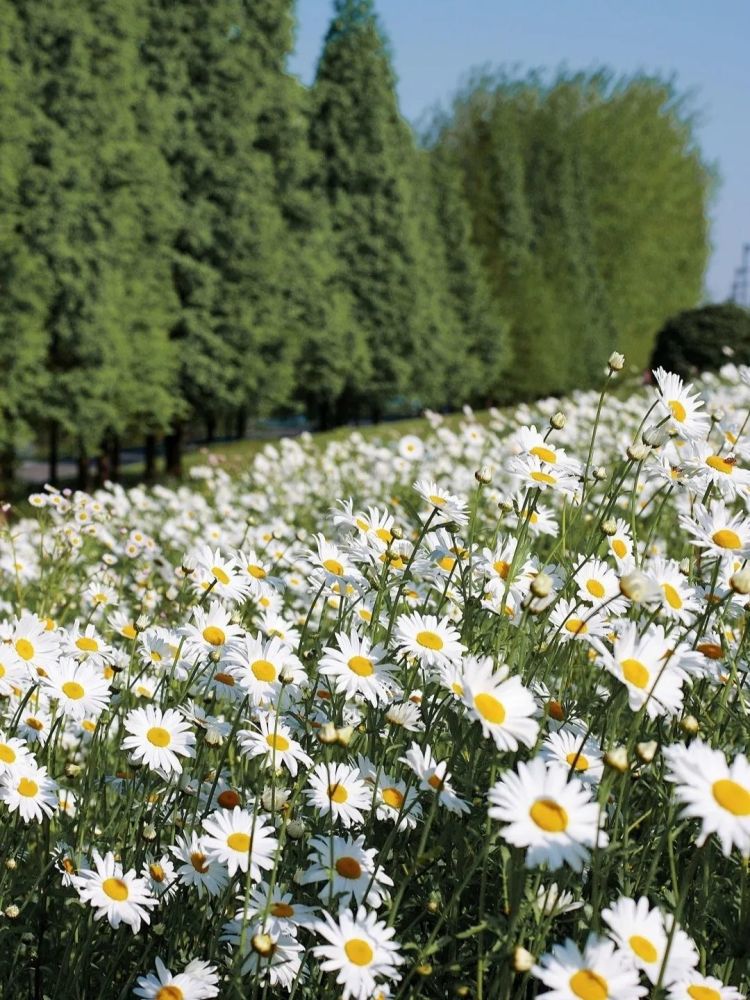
x=456, y=714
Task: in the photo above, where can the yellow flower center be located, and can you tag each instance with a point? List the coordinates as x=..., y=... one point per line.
x=257, y=571
x=348, y=868
x=277, y=742
x=436, y=500
x=361, y=666
x=156, y=872
x=678, y=410
x=589, y=985
x=635, y=673
x=282, y=910
x=447, y=563
x=337, y=793
x=36, y=724
x=7, y=754
x=214, y=635
x=719, y=464
x=543, y=477
x=358, y=951
x=24, y=649
x=170, y=992
x=27, y=788
x=436, y=782
x=578, y=762
x=223, y=678
x=732, y=796
x=333, y=566
x=490, y=708
x=73, y=690
x=263, y=670
x=619, y=548
x=239, y=842
x=549, y=816
x=116, y=889
x=576, y=626
x=128, y=631
x=698, y=992
x=158, y=736
x=429, y=640
x=501, y=568
x=643, y=948
x=220, y=575
x=725, y=538
x=672, y=596
x=198, y=861
x=87, y=644
x=546, y=454
x=392, y=797
x=595, y=588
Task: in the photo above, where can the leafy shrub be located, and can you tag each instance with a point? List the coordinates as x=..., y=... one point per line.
x=704, y=339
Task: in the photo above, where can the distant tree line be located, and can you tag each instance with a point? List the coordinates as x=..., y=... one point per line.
x=189, y=235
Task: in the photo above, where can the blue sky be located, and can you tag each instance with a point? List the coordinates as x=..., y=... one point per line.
x=704, y=43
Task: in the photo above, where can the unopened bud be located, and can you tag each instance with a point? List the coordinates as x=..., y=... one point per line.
x=295, y=829
x=558, y=420
x=149, y=832
x=740, y=581
x=639, y=588
x=11, y=912
x=600, y=473
x=263, y=944
x=344, y=735
x=616, y=361
x=638, y=452
x=690, y=725
x=647, y=751
x=506, y=506
x=72, y=770
x=685, y=566
x=617, y=759
x=11, y=864
x=214, y=656
x=327, y=733
x=141, y=623
x=523, y=960
x=655, y=436
x=397, y=533
x=425, y=969
x=433, y=905
x=541, y=585
x=159, y=929
x=609, y=527
x=483, y=475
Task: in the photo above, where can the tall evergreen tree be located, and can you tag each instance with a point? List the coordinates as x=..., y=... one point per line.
x=366, y=175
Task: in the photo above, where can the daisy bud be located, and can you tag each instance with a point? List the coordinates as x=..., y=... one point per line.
x=541, y=585
x=172, y=593
x=647, y=751
x=433, y=905
x=639, y=588
x=690, y=725
x=149, y=832
x=685, y=566
x=295, y=829
x=214, y=738
x=425, y=969
x=141, y=623
x=327, y=733
x=159, y=929
x=609, y=527
x=558, y=420
x=72, y=770
x=522, y=959
x=463, y=991
x=617, y=759
x=11, y=864
x=717, y=414
x=638, y=452
x=616, y=361
x=655, y=436
x=600, y=473
x=397, y=533
x=506, y=506
x=214, y=656
x=11, y=912
x=483, y=475
x=740, y=581
x=344, y=735
x=263, y=944
x=188, y=565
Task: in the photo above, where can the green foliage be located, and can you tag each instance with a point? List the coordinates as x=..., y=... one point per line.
x=704, y=339
x=588, y=203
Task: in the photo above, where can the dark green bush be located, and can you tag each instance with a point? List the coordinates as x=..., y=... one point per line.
x=704, y=339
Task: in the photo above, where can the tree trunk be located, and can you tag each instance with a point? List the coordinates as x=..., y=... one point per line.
x=102, y=465
x=210, y=427
x=240, y=428
x=150, y=458
x=173, y=451
x=7, y=471
x=54, y=444
x=114, y=458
